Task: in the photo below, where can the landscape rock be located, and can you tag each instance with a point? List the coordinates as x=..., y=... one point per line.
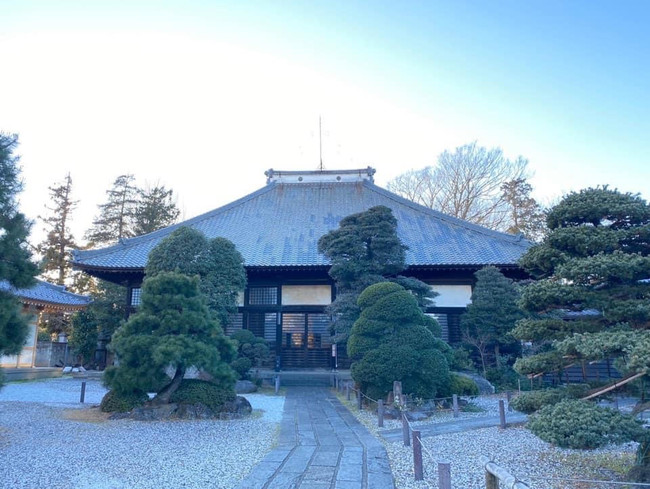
x=245, y=387
x=238, y=408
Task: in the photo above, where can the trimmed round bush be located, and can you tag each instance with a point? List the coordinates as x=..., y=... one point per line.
x=195, y=391
x=463, y=386
x=583, y=425
x=241, y=365
x=114, y=402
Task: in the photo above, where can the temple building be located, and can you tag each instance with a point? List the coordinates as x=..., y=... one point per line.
x=276, y=229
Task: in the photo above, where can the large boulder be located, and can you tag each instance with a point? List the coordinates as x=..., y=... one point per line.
x=245, y=387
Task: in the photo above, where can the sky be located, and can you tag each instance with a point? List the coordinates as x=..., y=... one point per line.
x=204, y=96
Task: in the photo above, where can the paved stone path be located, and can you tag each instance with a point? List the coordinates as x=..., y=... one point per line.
x=321, y=446
x=456, y=426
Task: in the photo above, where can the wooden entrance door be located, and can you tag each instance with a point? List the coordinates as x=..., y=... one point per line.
x=305, y=340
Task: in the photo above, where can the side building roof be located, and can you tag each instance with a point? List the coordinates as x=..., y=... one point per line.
x=48, y=295
x=279, y=226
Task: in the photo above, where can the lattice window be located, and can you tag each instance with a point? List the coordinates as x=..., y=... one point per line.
x=262, y=296
x=444, y=324
x=136, y=296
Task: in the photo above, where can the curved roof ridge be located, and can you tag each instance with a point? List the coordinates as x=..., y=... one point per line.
x=516, y=239
x=129, y=242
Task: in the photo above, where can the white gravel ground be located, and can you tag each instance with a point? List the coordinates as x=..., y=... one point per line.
x=42, y=448
x=518, y=450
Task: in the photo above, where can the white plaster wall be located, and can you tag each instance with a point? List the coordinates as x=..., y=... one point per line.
x=306, y=295
x=452, y=295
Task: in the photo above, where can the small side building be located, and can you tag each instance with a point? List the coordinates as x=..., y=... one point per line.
x=42, y=297
x=277, y=228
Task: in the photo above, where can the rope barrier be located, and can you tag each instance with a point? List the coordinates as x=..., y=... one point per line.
x=589, y=481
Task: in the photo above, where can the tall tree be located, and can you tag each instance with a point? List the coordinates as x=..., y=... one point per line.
x=526, y=216
x=59, y=242
x=172, y=328
x=116, y=216
x=217, y=262
x=364, y=250
x=465, y=183
x=156, y=208
x=594, y=263
x=491, y=316
x=16, y=268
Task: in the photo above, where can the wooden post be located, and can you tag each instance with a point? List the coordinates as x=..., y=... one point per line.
x=277, y=384
x=359, y=400
x=509, y=398
x=83, y=392
x=502, y=414
x=417, y=456
x=347, y=391
x=380, y=413
x=397, y=393
x=444, y=475
x=491, y=481
x=455, y=401
x=405, y=430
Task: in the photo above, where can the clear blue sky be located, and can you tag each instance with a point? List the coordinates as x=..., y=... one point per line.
x=204, y=96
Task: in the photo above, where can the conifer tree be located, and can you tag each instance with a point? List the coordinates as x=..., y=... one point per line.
x=154, y=210
x=365, y=249
x=526, y=215
x=172, y=328
x=57, y=246
x=116, y=216
x=217, y=262
x=16, y=269
x=394, y=340
x=492, y=314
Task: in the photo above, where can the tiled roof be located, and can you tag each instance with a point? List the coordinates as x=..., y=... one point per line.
x=45, y=293
x=279, y=225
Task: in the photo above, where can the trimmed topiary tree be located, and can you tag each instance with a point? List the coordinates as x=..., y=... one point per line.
x=393, y=340
x=171, y=330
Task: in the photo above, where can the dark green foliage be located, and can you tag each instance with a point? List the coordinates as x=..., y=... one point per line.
x=365, y=244
x=392, y=340
x=115, y=219
x=154, y=210
x=592, y=263
x=172, y=328
x=365, y=250
x=85, y=333
x=251, y=352
x=217, y=262
x=15, y=265
x=57, y=246
x=118, y=402
x=211, y=395
x=463, y=386
x=460, y=359
x=530, y=402
x=583, y=425
x=491, y=316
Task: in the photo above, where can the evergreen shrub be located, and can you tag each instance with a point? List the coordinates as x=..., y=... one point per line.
x=463, y=386
x=530, y=402
x=115, y=402
x=583, y=425
x=195, y=391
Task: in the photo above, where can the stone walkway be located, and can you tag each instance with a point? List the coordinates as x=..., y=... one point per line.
x=321, y=446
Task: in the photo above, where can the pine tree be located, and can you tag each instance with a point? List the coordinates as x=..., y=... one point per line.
x=57, y=246
x=155, y=210
x=217, y=262
x=365, y=250
x=526, y=215
x=116, y=216
x=172, y=328
x=394, y=340
x=16, y=269
x=491, y=315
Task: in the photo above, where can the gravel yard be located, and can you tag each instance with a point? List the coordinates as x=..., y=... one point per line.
x=49, y=440
x=519, y=451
